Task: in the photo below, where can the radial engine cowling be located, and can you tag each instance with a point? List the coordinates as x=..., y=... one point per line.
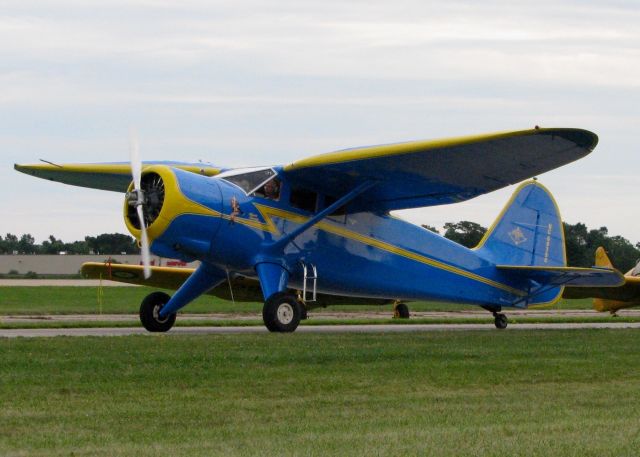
x=181, y=211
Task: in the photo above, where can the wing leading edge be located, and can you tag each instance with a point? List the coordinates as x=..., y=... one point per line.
x=437, y=172
x=104, y=176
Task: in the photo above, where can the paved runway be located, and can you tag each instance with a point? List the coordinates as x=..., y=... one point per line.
x=393, y=328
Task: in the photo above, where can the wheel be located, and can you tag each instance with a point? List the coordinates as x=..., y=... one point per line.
x=500, y=321
x=401, y=311
x=281, y=312
x=149, y=313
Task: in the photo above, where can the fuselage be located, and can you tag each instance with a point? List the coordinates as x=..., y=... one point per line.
x=361, y=254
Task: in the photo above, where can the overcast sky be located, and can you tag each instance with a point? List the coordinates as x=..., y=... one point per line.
x=247, y=83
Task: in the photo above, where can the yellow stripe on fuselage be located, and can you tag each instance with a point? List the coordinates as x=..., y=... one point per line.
x=268, y=213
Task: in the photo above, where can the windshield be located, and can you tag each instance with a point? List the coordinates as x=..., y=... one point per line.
x=250, y=181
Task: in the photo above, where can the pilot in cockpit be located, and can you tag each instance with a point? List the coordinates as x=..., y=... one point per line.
x=272, y=189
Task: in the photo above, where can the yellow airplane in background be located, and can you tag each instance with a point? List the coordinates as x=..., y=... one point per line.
x=610, y=299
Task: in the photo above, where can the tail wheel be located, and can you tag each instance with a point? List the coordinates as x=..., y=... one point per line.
x=401, y=311
x=281, y=312
x=150, y=313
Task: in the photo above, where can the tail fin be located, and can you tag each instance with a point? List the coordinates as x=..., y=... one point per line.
x=528, y=232
x=602, y=259
x=605, y=304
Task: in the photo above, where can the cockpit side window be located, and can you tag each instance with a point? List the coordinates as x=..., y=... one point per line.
x=303, y=199
x=270, y=189
x=250, y=181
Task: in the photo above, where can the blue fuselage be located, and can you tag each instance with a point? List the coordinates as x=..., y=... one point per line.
x=356, y=254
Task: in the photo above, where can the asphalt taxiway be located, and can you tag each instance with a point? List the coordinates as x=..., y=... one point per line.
x=390, y=328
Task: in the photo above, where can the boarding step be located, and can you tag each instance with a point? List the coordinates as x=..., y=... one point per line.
x=309, y=282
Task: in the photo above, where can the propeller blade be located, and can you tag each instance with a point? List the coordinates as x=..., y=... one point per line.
x=136, y=174
x=144, y=244
x=136, y=163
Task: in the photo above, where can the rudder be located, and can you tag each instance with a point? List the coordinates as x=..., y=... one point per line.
x=528, y=231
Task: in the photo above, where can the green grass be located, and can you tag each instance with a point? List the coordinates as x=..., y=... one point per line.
x=533, y=393
x=121, y=300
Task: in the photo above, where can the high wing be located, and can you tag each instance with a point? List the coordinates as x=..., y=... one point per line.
x=105, y=176
x=437, y=172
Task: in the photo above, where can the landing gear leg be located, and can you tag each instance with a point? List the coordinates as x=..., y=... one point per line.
x=401, y=311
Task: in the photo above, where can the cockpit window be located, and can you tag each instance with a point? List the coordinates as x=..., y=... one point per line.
x=636, y=269
x=250, y=181
x=270, y=189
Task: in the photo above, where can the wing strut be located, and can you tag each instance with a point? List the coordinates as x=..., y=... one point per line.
x=281, y=243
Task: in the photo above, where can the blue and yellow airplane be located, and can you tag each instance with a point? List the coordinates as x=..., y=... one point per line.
x=319, y=231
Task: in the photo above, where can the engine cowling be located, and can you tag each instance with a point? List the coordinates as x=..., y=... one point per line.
x=182, y=211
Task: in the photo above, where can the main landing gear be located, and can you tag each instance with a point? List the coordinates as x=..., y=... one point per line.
x=499, y=319
x=149, y=313
x=401, y=311
x=282, y=312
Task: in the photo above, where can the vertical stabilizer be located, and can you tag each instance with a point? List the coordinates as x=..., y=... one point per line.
x=528, y=231
x=602, y=259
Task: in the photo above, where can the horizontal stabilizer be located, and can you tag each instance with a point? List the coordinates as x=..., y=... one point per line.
x=566, y=276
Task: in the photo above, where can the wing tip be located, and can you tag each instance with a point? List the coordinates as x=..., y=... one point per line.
x=582, y=138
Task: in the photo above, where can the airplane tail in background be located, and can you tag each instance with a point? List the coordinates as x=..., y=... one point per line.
x=619, y=298
x=602, y=259
x=528, y=232
x=526, y=242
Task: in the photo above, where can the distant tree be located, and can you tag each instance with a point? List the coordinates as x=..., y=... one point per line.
x=578, y=250
x=582, y=244
x=10, y=243
x=52, y=246
x=465, y=233
x=430, y=228
x=27, y=244
x=112, y=243
x=622, y=253
x=77, y=247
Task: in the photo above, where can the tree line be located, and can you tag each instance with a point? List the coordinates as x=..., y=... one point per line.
x=107, y=243
x=581, y=242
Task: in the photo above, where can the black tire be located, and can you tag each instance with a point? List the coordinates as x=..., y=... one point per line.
x=401, y=311
x=500, y=321
x=149, y=309
x=281, y=312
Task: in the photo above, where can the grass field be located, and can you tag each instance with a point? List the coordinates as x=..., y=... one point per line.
x=118, y=300
x=533, y=393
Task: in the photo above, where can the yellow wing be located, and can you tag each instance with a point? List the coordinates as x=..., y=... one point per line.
x=244, y=289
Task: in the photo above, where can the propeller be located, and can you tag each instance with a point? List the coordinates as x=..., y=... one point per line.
x=136, y=174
